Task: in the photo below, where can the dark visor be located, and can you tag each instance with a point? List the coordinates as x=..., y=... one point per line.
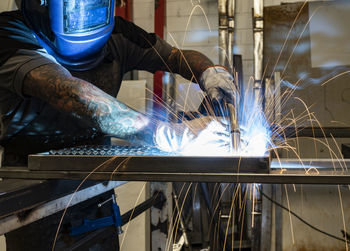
x=85, y=15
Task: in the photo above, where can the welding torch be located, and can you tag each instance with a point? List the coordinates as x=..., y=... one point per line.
x=231, y=113
x=233, y=127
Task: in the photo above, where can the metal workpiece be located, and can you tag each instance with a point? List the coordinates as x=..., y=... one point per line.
x=283, y=171
x=110, y=150
x=274, y=177
x=153, y=164
x=148, y=164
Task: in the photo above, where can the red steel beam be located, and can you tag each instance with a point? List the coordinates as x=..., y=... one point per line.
x=159, y=24
x=125, y=10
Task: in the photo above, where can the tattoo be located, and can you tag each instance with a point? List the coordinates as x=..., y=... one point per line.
x=188, y=63
x=56, y=86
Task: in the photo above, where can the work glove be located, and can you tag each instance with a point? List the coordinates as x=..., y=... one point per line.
x=200, y=136
x=219, y=84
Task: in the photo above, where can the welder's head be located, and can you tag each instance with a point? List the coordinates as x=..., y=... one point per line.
x=75, y=31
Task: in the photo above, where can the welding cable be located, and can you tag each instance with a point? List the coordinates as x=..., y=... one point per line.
x=304, y=221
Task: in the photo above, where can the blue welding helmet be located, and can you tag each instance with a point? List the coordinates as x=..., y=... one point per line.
x=73, y=31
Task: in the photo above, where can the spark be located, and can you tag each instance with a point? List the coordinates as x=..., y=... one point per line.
x=213, y=140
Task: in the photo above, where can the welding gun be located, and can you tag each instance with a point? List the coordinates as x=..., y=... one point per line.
x=233, y=127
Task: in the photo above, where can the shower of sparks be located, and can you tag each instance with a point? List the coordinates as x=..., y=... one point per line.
x=214, y=138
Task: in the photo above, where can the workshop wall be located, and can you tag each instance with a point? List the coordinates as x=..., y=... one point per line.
x=6, y=5
x=136, y=233
x=319, y=206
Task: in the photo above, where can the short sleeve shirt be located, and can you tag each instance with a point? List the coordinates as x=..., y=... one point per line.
x=129, y=48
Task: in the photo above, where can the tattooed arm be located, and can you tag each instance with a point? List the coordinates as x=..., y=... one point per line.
x=188, y=63
x=56, y=86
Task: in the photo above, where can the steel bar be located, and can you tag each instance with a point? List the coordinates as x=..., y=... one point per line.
x=92, y=238
x=154, y=164
x=283, y=171
x=17, y=196
x=13, y=222
x=158, y=199
x=314, y=132
x=274, y=177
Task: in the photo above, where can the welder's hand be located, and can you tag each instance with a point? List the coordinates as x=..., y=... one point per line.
x=218, y=83
x=192, y=136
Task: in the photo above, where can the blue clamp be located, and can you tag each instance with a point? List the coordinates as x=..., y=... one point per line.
x=90, y=225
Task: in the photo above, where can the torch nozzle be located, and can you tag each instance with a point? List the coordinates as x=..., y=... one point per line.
x=234, y=128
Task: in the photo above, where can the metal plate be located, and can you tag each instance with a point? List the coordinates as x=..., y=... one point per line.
x=141, y=159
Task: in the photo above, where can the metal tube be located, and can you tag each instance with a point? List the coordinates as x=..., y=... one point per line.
x=169, y=95
x=223, y=25
x=231, y=26
x=258, y=25
x=157, y=199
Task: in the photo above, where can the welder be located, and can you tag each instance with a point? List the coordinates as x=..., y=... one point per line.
x=61, y=65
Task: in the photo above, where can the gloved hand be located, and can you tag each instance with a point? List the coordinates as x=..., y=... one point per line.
x=219, y=84
x=192, y=137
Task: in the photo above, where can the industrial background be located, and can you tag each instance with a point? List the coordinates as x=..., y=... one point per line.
x=322, y=52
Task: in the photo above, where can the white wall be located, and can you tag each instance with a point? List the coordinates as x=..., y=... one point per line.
x=6, y=5
x=200, y=35
x=136, y=234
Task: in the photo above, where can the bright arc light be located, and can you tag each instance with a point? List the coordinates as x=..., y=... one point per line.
x=214, y=140
x=208, y=142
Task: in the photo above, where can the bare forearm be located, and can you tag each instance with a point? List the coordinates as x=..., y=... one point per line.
x=57, y=87
x=188, y=63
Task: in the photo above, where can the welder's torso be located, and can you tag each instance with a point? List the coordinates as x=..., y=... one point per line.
x=128, y=48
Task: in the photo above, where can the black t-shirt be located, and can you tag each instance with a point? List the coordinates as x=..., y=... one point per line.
x=129, y=48
x=14, y=34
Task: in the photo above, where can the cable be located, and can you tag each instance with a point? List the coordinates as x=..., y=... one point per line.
x=302, y=220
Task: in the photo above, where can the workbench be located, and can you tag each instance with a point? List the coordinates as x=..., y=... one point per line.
x=283, y=171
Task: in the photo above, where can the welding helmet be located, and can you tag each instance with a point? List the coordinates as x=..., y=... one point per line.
x=73, y=31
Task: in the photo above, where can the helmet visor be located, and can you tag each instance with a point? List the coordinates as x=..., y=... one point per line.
x=85, y=15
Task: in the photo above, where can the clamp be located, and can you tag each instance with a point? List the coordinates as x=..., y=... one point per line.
x=90, y=225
